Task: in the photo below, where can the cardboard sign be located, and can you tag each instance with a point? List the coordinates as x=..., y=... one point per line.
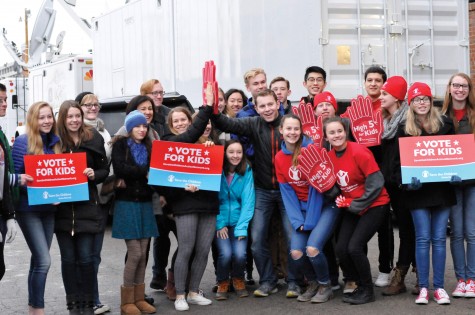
x=437, y=158
x=176, y=164
x=56, y=178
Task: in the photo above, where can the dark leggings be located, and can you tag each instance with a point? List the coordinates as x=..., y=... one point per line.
x=407, y=237
x=386, y=244
x=161, y=244
x=355, y=233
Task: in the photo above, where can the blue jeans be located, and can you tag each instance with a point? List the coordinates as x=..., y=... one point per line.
x=462, y=226
x=266, y=202
x=77, y=265
x=316, y=238
x=231, y=256
x=431, y=227
x=37, y=228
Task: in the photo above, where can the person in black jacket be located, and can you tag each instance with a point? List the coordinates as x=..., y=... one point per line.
x=194, y=212
x=429, y=203
x=263, y=131
x=76, y=223
x=133, y=213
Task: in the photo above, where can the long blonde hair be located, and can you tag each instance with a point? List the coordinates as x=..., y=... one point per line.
x=432, y=124
x=35, y=142
x=447, y=106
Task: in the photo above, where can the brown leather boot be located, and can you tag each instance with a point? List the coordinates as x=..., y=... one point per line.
x=397, y=285
x=170, y=289
x=240, y=287
x=139, y=293
x=222, y=293
x=127, y=305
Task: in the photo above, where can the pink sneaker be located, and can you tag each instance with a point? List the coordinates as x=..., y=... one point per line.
x=441, y=297
x=460, y=288
x=470, y=289
x=423, y=297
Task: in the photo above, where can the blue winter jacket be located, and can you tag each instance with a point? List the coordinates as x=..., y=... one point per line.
x=19, y=150
x=236, y=202
x=301, y=213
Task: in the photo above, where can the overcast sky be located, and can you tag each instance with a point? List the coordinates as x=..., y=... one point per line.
x=75, y=41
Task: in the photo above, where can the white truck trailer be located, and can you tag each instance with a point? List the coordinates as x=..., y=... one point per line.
x=60, y=79
x=422, y=40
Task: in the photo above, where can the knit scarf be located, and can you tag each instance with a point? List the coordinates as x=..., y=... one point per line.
x=139, y=152
x=391, y=125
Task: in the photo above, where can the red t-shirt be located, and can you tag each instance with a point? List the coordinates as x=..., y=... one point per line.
x=289, y=174
x=351, y=170
x=377, y=105
x=459, y=113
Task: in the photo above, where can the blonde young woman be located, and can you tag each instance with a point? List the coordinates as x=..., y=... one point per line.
x=194, y=212
x=459, y=105
x=428, y=203
x=36, y=222
x=394, y=110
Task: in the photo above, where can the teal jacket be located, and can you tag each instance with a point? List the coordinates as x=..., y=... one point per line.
x=236, y=203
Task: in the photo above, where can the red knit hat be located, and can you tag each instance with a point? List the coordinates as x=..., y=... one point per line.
x=325, y=97
x=396, y=86
x=416, y=89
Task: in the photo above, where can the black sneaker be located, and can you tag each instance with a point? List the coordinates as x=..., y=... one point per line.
x=249, y=279
x=149, y=299
x=159, y=282
x=362, y=295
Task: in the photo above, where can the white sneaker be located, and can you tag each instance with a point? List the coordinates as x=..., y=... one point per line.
x=423, y=297
x=198, y=299
x=181, y=304
x=383, y=280
x=441, y=297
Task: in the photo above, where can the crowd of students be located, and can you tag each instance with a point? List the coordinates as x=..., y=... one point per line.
x=268, y=211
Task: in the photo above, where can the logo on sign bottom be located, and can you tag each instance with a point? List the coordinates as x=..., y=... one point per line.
x=171, y=178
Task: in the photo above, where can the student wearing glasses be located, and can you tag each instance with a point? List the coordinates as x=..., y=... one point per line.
x=315, y=80
x=429, y=203
x=90, y=106
x=459, y=105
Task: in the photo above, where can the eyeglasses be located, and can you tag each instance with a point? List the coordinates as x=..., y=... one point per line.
x=421, y=100
x=458, y=86
x=313, y=80
x=156, y=93
x=91, y=105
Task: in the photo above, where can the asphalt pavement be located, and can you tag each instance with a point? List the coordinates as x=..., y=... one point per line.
x=14, y=291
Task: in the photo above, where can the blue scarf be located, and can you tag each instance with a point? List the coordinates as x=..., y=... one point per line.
x=139, y=152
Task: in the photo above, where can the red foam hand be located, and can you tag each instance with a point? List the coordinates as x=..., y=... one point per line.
x=366, y=125
x=209, y=76
x=312, y=128
x=316, y=165
x=343, y=202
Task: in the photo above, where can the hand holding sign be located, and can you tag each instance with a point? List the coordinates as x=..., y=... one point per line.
x=312, y=128
x=366, y=125
x=209, y=79
x=317, y=167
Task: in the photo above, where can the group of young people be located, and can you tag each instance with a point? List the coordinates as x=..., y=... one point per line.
x=272, y=159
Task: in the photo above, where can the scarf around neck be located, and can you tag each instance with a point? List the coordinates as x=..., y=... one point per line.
x=391, y=125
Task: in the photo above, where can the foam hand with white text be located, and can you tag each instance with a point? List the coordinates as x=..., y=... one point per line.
x=317, y=167
x=366, y=125
x=313, y=129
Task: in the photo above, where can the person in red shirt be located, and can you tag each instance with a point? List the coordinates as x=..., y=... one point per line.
x=366, y=202
x=312, y=218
